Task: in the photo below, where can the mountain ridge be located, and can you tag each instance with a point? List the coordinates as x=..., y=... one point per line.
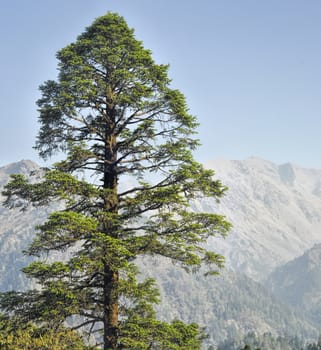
x=298, y=282
x=275, y=211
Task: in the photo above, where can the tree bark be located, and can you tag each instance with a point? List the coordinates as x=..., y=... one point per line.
x=111, y=275
x=110, y=309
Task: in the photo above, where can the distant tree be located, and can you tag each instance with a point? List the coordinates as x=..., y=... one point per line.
x=312, y=346
x=264, y=341
x=315, y=346
x=114, y=115
x=248, y=347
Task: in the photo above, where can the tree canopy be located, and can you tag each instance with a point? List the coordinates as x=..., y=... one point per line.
x=126, y=183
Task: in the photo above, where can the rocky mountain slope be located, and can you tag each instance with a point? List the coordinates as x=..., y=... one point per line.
x=16, y=230
x=275, y=211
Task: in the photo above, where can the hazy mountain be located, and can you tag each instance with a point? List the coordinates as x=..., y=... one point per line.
x=16, y=230
x=229, y=305
x=23, y=167
x=275, y=211
x=298, y=282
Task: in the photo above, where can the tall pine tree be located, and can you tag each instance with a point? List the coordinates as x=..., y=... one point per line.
x=126, y=183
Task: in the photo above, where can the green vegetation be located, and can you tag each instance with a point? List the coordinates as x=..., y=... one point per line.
x=229, y=305
x=32, y=338
x=113, y=115
x=265, y=341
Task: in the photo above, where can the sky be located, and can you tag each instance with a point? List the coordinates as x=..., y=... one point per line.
x=250, y=69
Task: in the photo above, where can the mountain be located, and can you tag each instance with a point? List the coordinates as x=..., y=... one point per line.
x=23, y=167
x=275, y=211
x=298, y=283
x=229, y=305
x=16, y=230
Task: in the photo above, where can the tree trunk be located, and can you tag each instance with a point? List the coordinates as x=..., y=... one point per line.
x=111, y=275
x=110, y=309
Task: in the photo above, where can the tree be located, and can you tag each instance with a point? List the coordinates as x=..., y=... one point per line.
x=315, y=346
x=248, y=347
x=114, y=115
x=32, y=338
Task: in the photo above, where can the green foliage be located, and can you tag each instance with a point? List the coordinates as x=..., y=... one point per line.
x=157, y=335
x=113, y=113
x=32, y=338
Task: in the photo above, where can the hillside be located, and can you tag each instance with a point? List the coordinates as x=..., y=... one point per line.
x=298, y=283
x=228, y=305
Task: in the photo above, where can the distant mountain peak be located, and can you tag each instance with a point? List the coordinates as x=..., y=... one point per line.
x=22, y=167
x=16, y=167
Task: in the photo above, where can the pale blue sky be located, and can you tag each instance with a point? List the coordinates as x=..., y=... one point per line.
x=251, y=70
